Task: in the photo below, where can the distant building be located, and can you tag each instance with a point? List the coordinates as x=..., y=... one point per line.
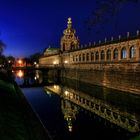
x=21, y=62
x=51, y=51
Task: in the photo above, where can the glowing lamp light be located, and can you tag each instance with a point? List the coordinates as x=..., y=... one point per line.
x=65, y=61
x=35, y=63
x=66, y=93
x=20, y=74
x=55, y=86
x=70, y=128
x=54, y=62
x=19, y=61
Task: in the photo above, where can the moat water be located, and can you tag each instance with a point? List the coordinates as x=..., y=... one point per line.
x=66, y=117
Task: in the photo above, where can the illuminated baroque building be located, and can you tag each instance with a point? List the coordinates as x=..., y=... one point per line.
x=114, y=64
x=69, y=41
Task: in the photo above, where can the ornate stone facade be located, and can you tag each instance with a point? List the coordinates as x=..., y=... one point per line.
x=123, y=51
x=114, y=64
x=69, y=41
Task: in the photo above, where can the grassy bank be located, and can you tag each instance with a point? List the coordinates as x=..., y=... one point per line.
x=17, y=120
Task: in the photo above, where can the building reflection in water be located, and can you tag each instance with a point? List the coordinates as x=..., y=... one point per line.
x=68, y=109
x=38, y=76
x=69, y=112
x=111, y=113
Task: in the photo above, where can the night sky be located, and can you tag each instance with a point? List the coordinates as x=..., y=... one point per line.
x=30, y=26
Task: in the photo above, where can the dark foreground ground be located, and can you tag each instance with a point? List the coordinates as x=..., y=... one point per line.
x=17, y=119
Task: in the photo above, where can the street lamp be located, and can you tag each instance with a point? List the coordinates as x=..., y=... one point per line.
x=19, y=61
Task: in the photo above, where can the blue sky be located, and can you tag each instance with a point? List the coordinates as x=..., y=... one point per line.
x=30, y=26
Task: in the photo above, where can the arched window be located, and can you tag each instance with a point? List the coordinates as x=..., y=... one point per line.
x=108, y=55
x=102, y=55
x=139, y=52
x=63, y=47
x=132, y=52
x=96, y=56
x=83, y=57
x=123, y=53
x=92, y=56
x=72, y=47
x=115, y=54
x=76, y=57
x=79, y=57
x=87, y=56
x=73, y=58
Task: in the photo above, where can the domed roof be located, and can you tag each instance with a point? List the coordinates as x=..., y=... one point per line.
x=50, y=50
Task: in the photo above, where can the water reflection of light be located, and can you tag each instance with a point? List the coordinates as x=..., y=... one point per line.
x=70, y=128
x=20, y=74
x=37, y=65
x=55, y=86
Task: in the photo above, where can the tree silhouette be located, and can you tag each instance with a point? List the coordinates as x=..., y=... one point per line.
x=105, y=11
x=2, y=45
x=35, y=58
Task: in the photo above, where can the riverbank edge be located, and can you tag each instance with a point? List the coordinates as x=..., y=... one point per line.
x=34, y=128
x=30, y=109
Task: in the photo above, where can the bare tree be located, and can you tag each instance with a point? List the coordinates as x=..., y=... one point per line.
x=105, y=11
x=2, y=45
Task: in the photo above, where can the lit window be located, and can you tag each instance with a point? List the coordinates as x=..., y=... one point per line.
x=123, y=53
x=108, y=55
x=102, y=55
x=132, y=52
x=97, y=56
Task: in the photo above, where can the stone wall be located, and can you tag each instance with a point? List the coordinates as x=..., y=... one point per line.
x=122, y=76
x=49, y=61
x=112, y=64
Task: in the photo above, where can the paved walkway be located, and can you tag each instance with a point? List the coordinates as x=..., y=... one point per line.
x=17, y=120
